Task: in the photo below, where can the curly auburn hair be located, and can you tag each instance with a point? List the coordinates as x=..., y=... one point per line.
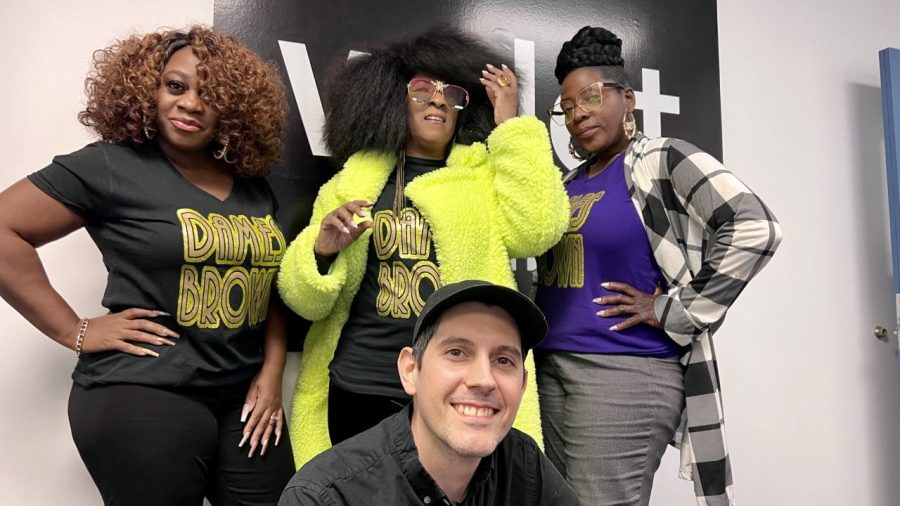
x=244, y=91
x=365, y=98
x=592, y=47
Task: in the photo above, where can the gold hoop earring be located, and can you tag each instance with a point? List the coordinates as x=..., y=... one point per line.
x=575, y=153
x=629, y=125
x=222, y=154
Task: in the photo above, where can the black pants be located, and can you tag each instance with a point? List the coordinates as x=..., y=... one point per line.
x=152, y=446
x=350, y=413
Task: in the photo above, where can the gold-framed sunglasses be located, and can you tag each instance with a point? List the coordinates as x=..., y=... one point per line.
x=589, y=98
x=422, y=90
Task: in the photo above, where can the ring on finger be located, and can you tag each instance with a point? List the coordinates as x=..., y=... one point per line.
x=503, y=81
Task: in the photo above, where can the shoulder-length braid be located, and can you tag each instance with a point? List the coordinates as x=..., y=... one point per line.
x=245, y=92
x=365, y=98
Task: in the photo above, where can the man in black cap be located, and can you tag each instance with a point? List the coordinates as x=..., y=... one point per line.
x=454, y=444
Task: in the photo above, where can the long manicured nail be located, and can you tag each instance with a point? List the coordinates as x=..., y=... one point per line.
x=599, y=300
x=152, y=353
x=614, y=328
x=164, y=341
x=504, y=66
x=172, y=333
x=491, y=66
x=277, y=437
x=244, y=412
x=265, y=443
x=161, y=313
x=252, y=449
x=601, y=313
x=244, y=439
x=345, y=230
x=605, y=284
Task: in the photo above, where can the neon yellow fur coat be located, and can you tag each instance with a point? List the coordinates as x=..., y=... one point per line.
x=484, y=208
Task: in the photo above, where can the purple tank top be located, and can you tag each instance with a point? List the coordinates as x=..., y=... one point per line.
x=606, y=241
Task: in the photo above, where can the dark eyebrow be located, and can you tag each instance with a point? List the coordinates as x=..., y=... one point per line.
x=179, y=73
x=454, y=340
x=460, y=341
x=510, y=349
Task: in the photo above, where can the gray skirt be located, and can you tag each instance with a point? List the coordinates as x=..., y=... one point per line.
x=607, y=420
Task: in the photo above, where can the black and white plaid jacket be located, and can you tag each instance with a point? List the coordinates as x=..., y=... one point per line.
x=710, y=235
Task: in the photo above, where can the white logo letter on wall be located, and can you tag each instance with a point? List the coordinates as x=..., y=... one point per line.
x=654, y=104
x=303, y=84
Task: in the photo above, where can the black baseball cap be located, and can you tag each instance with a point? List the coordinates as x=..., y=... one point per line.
x=530, y=320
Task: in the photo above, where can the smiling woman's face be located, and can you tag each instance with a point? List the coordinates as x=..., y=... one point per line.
x=186, y=123
x=431, y=126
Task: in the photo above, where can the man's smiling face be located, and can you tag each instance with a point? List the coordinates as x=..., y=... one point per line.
x=467, y=389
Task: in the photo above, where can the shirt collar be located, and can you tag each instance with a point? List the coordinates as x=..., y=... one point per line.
x=403, y=447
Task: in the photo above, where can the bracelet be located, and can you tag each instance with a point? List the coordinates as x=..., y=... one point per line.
x=79, y=340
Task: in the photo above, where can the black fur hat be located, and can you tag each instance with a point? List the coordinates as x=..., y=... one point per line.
x=365, y=99
x=590, y=47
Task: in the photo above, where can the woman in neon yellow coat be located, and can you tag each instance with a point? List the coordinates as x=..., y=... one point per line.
x=441, y=182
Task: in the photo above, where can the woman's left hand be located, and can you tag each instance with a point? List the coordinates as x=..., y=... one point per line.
x=263, y=405
x=629, y=300
x=503, y=91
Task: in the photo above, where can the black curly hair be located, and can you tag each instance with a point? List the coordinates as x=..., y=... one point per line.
x=365, y=97
x=593, y=47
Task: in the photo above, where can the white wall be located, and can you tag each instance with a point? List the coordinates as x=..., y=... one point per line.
x=812, y=399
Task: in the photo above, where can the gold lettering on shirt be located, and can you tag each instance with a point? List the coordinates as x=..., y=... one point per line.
x=581, y=206
x=211, y=297
x=399, y=286
x=563, y=264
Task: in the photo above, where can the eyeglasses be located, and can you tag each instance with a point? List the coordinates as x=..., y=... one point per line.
x=422, y=90
x=589, y=98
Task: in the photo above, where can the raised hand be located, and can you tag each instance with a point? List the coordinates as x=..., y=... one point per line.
x=503, y=91
x=338, y=229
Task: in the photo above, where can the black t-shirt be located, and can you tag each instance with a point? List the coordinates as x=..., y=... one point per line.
x=170, y=246
x=401, y=272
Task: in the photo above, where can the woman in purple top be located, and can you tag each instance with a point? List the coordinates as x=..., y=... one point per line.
x=661, y=241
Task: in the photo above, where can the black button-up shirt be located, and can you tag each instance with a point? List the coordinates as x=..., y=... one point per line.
x=381, y=467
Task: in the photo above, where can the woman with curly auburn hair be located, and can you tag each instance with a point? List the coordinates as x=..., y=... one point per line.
x=441, y=182
x=177, y=389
